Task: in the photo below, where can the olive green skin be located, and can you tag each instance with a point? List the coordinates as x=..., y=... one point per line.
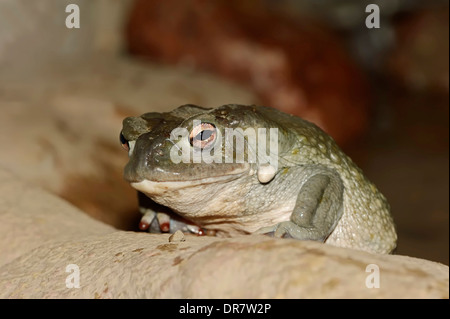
x=342, y=207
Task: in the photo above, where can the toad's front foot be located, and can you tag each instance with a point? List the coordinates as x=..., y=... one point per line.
x=164, y=223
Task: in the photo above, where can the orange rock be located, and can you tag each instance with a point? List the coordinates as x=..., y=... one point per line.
x=294, y=66
x=420, y=59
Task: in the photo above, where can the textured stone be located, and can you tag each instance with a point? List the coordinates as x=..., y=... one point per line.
x=41, y=235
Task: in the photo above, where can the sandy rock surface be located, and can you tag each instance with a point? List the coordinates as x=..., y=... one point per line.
x=61, y=126
x=41, y=235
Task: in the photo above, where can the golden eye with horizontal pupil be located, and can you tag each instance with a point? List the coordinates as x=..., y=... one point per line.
x=124, y=142
x=203, y=135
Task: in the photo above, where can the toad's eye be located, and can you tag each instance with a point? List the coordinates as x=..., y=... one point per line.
x=124, y=142
x=203, y=135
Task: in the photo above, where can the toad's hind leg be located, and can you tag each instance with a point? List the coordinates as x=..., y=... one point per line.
x=318, y=208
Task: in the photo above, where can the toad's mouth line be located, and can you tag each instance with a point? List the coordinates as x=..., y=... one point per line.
x=157, y=187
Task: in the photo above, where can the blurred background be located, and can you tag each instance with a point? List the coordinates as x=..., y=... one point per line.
x=381, y=93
